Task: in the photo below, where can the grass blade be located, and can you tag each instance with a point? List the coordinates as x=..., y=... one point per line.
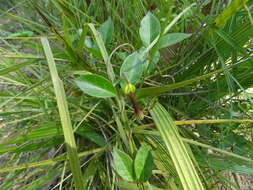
x=48, y=162
x=156, y=91
x=181, y=159
x=217, y=149
x=13, y=68
x=65, y=118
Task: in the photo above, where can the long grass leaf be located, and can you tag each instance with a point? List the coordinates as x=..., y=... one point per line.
x=47, y=162
x=208, y=121
x=13, y=68
x=217, y=149
x=65, y=117
x=156, y=133
x=180, y=157
x=156, y=91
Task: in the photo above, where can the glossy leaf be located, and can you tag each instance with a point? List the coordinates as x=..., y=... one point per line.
x=150, y=29
x=123, y=165
x=171, y=39
x=132, y=68
x=95, y=85
x=106, y=31
x=143, y=164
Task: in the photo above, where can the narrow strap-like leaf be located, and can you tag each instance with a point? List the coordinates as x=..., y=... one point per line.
x=65, y=118
x=180, y=157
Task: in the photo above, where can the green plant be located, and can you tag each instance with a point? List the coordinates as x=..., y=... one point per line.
x=121, y=90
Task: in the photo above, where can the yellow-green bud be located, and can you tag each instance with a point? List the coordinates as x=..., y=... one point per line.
x=129, y=89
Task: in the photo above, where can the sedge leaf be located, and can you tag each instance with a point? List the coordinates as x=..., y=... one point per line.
x=95, y=85
x=143, y=164
x=171, y=39
x=150, y=29
x=123, y=165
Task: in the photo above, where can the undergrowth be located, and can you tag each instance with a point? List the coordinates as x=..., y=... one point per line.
x=125, y=94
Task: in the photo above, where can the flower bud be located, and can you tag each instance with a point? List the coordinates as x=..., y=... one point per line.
x=129, y=89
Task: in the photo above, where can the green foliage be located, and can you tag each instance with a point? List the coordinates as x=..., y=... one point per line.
x=106, y=31
x=65, y=118
x=143, y=164
x=21, y=34
x=229, y=11
x=150, y=29
x=171, y=39
x=181, y=158
x=194, y=59
x=132, y=68
x=123, y=165
x=95, y=85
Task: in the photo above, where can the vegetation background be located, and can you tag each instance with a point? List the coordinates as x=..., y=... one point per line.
x=126, y=94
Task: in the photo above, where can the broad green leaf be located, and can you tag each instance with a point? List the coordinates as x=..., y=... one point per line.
x=150, y=29
x=171, y=39
x=132, y=68
x=123, y=165
x=229, y=11
x=106, y=31
x=176, y=147
x=95, y=85
x=143, y=164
